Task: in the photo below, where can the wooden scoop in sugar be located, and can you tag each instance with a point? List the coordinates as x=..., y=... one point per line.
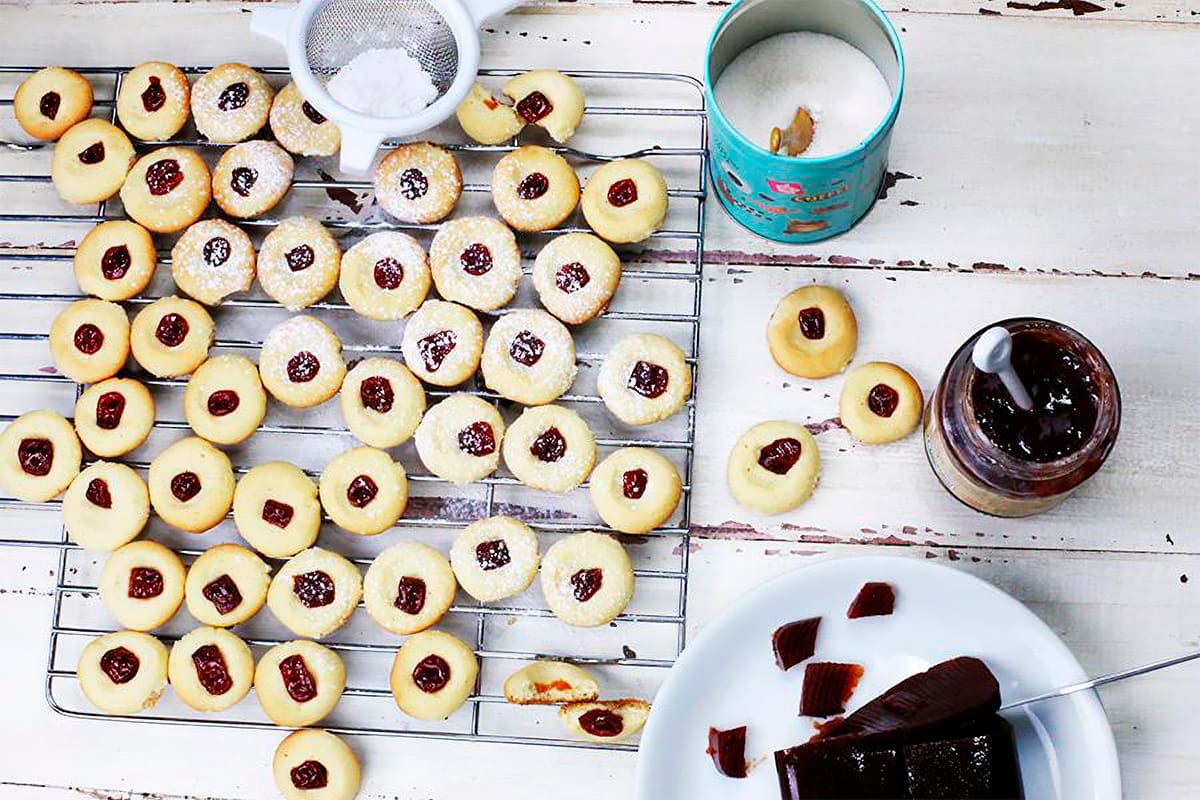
x=795, y=138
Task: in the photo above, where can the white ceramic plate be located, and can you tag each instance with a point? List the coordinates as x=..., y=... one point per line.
x=728, y=677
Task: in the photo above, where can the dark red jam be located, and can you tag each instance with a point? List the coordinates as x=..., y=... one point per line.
x=314, y=116
x=185, y=486
x=309, y=774
x=827, y=688
x=874, y=599
x=233, y=96
x=361, y=491
x=217, y=251
x=376, y=394
x=120, y=665
x=602, y=722
x=163, y=176
x=780, y=455
x=435, y=347
x=223, y=594
x=223, y=402
x=795, y=641
x=300, y=258
x=728, y=751
x=242, y=180
x=115, y=262
x=145, y=583
x=413, y=183
x=1066, y=402
x=571, y=277
x=476, y=259
x=526, y=348
x=172, y=330
x=301, y=685
x=211, y=670
x=649, y=380
x=549, y=447
x=622, y=193
x=388, y=274
x=882, y=400
x=586, y=582
x=49, y=104
x=89, y=339
x=313, y=589
x=534, y=106
x=303, y=367
x=277, y=514
x=153, y=96
x=410, y=595
x=98, y=493
x=812, y=323
x=431, y=674
x=110, y=407
x=533, y=186
x=492, y=554
x=633, y=483
x=36, y=456
x=93, y=154
x=477, y=439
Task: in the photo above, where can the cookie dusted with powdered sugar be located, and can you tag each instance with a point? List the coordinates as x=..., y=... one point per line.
x=212, y=260
x=230, y=103
x=251, y=178
x=153, y=102
x=476, y=262
x=299, y=263
x=418, y=182
x=385, y=276
x=644, y=379
x=301, y=362
x=442, y=343
x=529, y=357
x=576, y=276
x=534, y=188
x=300, y=128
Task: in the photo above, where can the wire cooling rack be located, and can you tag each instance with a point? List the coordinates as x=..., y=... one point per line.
x=657, y=116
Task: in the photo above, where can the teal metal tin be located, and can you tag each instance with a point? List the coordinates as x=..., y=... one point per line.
x=795, y=199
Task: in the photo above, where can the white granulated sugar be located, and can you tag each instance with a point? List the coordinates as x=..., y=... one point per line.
x=383, y=83
x=841, y=87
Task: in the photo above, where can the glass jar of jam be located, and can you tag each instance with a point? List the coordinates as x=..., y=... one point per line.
x=1002, y=460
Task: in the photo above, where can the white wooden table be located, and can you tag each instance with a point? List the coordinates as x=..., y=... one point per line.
x=1050, y=154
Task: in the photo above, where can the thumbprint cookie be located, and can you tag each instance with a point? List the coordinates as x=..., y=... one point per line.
x=89, y=340
x=230, y=103
x=442, y=343
x=167, y=189
x=576, y=276
x=114, y=416
x=634, y=490
x=625, y=200
x=141, y=585
x=880, y=403
x=549, y=99
x=382, y=402
x=191, y=485
x=90, y=162
x=212, y=260
x=301, y=362
x=153, y=102
x=409, y=587
x=476, y=262
x=495, y=558
x=106, y=506
x=52, y=100
x=433, y=675
x=418, y=182
x=550, y=683
x=298, y=263
x=210, y=669
x=226, y=585
x=385, y=276
x=534, y=188
x=251, y=178
x=529, y=358
x=364, y=491
x=644, y=379
x=115, y=260
x=813, y=332
x=224, y=401
x=774, y=467
x=311, y=764
x=315, y=592
x=550, y=448
x=41, y=456
x=300, y=128
x=171, y=337
x=459, y=439
x=587, y=579
x=485, y=119
x=605, y=720
x=298, y=683
x=123, y=672
x=276, y=510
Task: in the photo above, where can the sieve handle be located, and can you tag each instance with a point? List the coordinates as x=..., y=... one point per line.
x=483, y=10
x=274, y=23
x=358, y=149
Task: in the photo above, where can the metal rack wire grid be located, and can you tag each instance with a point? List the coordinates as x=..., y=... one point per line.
x=660, y=117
